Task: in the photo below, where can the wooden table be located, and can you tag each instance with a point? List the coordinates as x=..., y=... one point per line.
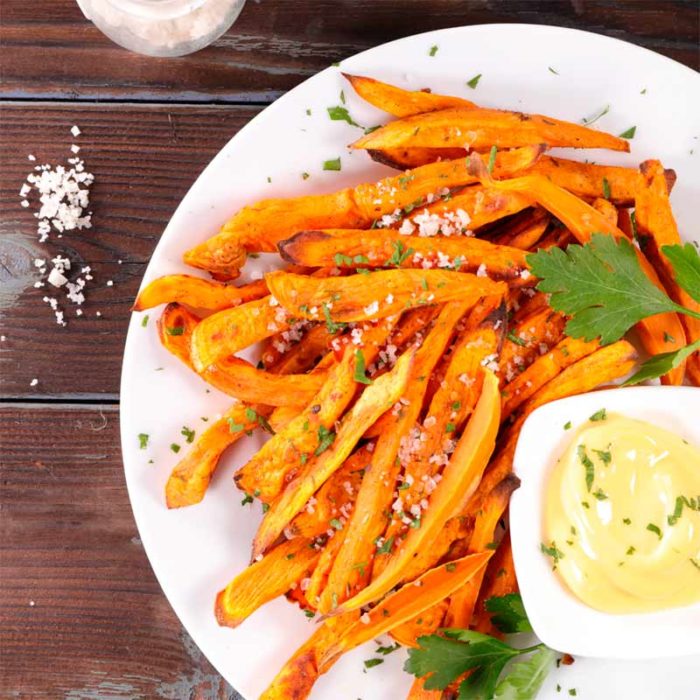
x=81, y=614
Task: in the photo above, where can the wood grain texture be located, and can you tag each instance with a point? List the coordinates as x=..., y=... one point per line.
x=144, y=159
x=275, y=44
x=81, y=614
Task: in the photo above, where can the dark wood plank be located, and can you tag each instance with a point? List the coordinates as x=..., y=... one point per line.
x=278, y=43
x=81, y=614
x=144, y=159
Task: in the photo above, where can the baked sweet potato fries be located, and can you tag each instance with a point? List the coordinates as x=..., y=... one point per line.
x=403, y=346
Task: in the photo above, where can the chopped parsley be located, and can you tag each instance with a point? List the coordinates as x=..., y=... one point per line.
x=450, y=428
x=655, y=529
x=370, y=663
x=400, y=254
x=175, y=330
x=604, y=455
x=629, y=133
x=516, y=339
x=691, y=503
x=591, y=120
x=175, y=447
x=332, y=164
x=247, y=499
x=492, y=159
x=588, y=465
x=606, y=188
x=433, y=50
x=386, y=546
x=474, y=81
x=234, y=427
x=626, y=521
x=305, y=176
x=341, y=114
x=360, y=376
x=600, y=495
x=551, y=70
x=143, y=441
x=567, y=425
x=325, y=439
x=188, y=433
x=451, y=566
x=144, y=321
x=630, y=551
x=335, y=523
x=552, y=551
x=598, y=415
x=331, y=325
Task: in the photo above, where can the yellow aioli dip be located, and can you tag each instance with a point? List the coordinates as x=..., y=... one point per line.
x=612, y=523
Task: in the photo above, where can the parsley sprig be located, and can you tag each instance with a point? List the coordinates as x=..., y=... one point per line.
x=444, y=659
x=604, y=290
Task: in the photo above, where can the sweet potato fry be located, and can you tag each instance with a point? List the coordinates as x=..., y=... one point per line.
x=525, y=230
x=545, y=367
x=335, y=497
x=281, y=457
x=377, y=398
x=258, y=228
x=607, y=209
x=601, y=367
x=264, y=580
x=189, y=480
x=657, y=228
x=301, y=355
x=353, y=564
x=659, y=333
x=528, y=338
x=459, y=480
x=319, y=577
x=227, y=332
x=479, y=129
x=406, y=158
x=297, y=677
x=410, y=600
x=463, y=601
x=418, y=691
x=175, y=327
x=587, y=180
x=399, y=102
x=197, y=292
x=499, y=580
x=428, y=622
x=380, y=294
x=243, y=381
x=378, y=248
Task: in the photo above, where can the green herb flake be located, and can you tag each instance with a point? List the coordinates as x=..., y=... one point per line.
x=175, y=447
x=144, y=321
x=143, y=440
x=325, y=440
x=332, y=164
x=450, y=428
x=626, y=521
x=516, y=339
x=370, y=663
x=596, y=116
x=605, y=456
x=188, y=433
x=174, y=330
x=451, y=566
x=433, y=50
x=600, y=495
x=655, y=529
x=360, y=375
x=630, y=551
x=492, y=159
x=305, y=176
x=341, y=114
x=606, y=188
x=335, y=523
x=551, y=70
x=474, y=81
x=386, y=546
x=234, y=427
x=588, y=465
x=552, y=551
x=629, y=133
x=567, y=425
x=598, y=415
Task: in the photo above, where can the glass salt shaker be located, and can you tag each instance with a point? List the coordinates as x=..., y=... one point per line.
x=162, y=27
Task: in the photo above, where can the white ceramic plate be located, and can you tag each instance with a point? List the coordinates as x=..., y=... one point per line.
x=195, y=551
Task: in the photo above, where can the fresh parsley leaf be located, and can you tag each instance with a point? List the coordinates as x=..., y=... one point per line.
x=525, y=678
x=333, y=164
x=629, y=133
x=360, y=375
x=601, y=285
x=474, y=81
x=341, y=114
x=686, y=265
x=447, y=659
x=661, y=364
x=508, y=613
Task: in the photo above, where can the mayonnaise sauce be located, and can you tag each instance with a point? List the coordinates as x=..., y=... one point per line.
x=622, y=516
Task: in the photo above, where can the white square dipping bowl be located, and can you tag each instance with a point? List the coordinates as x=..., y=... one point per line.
x=558, y=617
